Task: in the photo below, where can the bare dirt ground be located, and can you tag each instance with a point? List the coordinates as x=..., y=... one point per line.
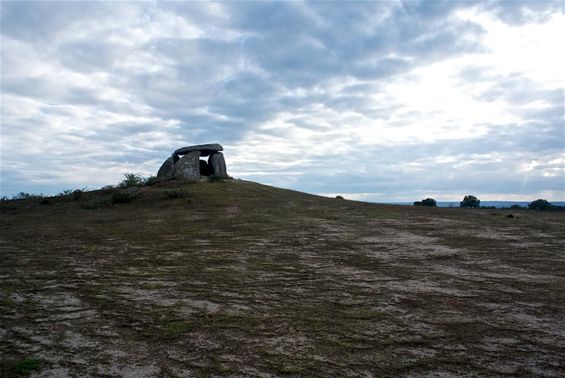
x=241, y=279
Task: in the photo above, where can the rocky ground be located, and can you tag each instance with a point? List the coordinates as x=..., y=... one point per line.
x=240, y=279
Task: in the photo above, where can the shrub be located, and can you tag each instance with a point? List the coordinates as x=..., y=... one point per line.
x=339, y=197
x=25, y=196
x=516, y=207
x=175, y=193
x=108, y=189
x=131, y=179
x=65, y=193
x=540, y=204
x=417, y=203
x=77, y=194
x=151, y=180
x=470, y=201
x=122, y=197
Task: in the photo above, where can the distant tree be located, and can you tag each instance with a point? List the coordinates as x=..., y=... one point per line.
x=516, y=207
x=426, y=202
x=470, y=201
x=540, y=204
x=429, y=202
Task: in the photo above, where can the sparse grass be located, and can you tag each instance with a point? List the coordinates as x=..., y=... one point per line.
x=255, y=280
x=97, y=203
x=175, y=193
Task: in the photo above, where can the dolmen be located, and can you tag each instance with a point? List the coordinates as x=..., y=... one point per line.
x=190, y=164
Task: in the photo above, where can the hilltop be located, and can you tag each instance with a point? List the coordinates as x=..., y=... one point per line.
x=237, y=278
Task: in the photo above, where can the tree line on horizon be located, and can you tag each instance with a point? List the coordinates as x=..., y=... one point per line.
x=472, y=202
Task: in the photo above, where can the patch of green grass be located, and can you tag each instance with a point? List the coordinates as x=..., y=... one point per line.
x=19, y=368
x=28, y=365
x=473, y=242
x=177, y=328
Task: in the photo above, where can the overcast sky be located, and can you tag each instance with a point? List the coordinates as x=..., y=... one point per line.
x=378, y=101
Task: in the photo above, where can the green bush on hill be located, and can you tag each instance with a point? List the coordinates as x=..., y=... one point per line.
x=132, y=179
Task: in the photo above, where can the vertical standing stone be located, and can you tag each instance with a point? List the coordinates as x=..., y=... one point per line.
x=167, y=170
x=188, y=167
x=218, y=164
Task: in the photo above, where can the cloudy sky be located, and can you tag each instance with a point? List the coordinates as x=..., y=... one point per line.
x=379, y=101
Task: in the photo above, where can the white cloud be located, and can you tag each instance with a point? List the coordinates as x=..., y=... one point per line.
x=391, y=102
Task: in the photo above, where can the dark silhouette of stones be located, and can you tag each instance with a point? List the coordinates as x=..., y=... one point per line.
x=188, y=167
x=167, y=170
x=218, y=165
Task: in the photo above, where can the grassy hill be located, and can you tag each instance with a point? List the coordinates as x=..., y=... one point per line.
x=237, y=278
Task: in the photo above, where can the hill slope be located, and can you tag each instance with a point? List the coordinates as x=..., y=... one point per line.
x=239, y=278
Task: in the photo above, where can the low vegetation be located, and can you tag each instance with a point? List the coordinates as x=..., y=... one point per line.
x=175, y=193
x=250, y=280
x=122, y=196
x=132, y=179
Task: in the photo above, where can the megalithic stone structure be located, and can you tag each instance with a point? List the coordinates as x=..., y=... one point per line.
x=185, y=164
x=218, y=165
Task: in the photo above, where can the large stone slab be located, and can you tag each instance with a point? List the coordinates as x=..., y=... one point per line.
x=218, y=164
x=205, y=149
x=188, y=167
x=167, y=170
